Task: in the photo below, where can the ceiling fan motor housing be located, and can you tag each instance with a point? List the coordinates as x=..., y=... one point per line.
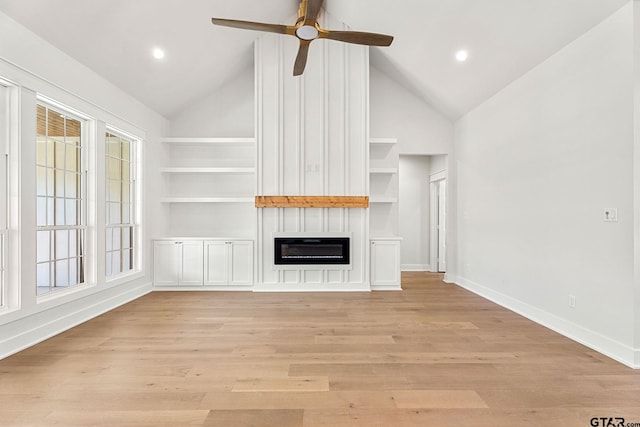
x=307, y=32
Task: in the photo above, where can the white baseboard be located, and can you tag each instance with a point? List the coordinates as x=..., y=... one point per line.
x=22, y=333
x=449, y=278
x=415, y=267
x=312, y=287
x=225, y=288
x=594, y=340
x=386, y=287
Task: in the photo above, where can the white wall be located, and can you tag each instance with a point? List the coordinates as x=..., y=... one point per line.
x=397, y=113
x=38, y=68
x=536, y=166
x=227, y=112
x=414, y=212
x=438, y=164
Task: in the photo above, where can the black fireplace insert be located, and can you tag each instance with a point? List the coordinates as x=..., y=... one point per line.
x=311, y=250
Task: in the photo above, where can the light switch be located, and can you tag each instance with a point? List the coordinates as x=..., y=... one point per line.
x=611, y=214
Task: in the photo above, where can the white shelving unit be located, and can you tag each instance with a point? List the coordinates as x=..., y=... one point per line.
x=209, y=189
x=383, y=214
x=382, y=141
x=209, y=186
x=382, y=200
x=210, y=170
x=207, y=141
x=207, y=170
x=207, y=200
x=383, y=186
x=374, y=171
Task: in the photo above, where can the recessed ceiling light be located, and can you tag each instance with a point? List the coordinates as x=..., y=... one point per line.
x=158, y=53
x=462, y=55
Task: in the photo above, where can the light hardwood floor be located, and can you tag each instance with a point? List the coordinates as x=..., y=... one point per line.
x=432, y=355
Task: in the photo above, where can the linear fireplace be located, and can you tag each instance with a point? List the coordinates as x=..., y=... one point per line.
x=311, y=250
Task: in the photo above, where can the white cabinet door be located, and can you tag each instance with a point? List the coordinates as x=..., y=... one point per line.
x=197, y=263
x=241, y=263
x=385, y=264
x=177, y=263
x=216, y=262
x=229, y=263
x=192, y=264
x=166, y=263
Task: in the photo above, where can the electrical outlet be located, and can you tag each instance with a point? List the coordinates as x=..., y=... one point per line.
x=610, y=214
x=572, y=301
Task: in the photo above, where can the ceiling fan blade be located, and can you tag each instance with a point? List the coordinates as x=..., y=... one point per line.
x=257, y=26
x=357, y=37
x=301, y=58
x=313, y=9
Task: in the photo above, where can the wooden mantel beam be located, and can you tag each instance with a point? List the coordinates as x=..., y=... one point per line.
x=312, y=201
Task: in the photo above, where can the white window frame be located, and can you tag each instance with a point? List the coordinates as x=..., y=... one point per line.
x=83, y=208
x=3, y=263
x=134, y=222
x=4, y=191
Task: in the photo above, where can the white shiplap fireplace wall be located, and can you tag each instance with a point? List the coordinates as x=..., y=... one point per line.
x=312, y=140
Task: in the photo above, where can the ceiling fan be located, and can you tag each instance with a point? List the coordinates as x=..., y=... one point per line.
x=306, y=29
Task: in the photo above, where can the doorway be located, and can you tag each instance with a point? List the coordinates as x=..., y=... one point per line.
x=423, y=181
x=438, y=195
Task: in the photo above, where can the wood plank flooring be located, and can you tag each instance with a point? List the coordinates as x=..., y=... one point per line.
x=432, y=355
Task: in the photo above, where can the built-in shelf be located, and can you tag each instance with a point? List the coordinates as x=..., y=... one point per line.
x=209, y=170
x=207, y=200
x=383, y=186
x=207, y=141
x=383, y=170
x=381, y=199
x=208, y=185
x=383, y=140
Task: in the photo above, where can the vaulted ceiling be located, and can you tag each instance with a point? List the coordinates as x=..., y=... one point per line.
x=504, y=38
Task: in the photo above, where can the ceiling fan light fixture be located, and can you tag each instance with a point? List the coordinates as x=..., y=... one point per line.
x=307, y=32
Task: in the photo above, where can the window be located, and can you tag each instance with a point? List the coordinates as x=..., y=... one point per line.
x=4, y=188
x=120, y=204
x=60, y=240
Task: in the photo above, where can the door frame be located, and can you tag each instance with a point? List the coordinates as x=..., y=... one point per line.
x=434, y=181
